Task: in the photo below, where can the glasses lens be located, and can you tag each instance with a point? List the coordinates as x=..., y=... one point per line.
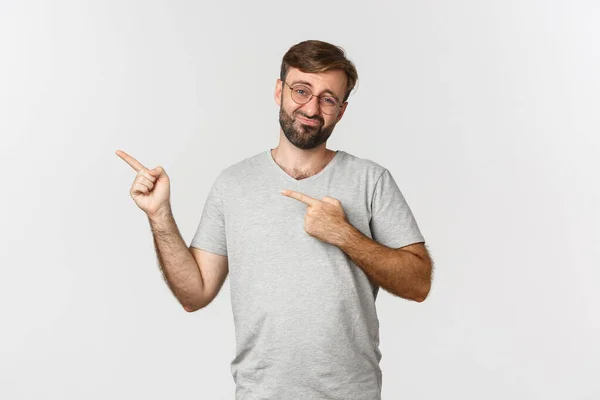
x=328, y=105
x=301, y=94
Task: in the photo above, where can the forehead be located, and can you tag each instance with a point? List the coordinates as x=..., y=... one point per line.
x=333, y=80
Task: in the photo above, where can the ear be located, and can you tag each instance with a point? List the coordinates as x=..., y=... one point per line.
x=278, y=88
x=342, y=111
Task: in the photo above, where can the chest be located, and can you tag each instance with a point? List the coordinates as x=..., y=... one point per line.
x=262, y=217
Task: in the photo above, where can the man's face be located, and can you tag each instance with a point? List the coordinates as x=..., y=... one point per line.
x=305, y=125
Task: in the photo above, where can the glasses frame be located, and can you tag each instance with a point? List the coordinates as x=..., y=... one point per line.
x=339, y=105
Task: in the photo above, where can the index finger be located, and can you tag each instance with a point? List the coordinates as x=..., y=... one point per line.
x=135, y=164
x=300, y=196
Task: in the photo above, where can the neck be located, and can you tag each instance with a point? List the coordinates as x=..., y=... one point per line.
x=300, y=163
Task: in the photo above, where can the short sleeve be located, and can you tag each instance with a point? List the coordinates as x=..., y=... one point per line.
x=210, y=234
x=392, y=222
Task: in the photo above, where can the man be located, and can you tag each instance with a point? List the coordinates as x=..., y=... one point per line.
x=307, y=236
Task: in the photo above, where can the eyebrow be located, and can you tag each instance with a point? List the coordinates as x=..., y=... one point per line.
x=309, y=85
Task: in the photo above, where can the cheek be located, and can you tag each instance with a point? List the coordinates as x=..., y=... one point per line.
x=329, y=120
x=291, y=110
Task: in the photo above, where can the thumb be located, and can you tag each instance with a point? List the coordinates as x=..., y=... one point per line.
x=330, y=200
x=156, y=171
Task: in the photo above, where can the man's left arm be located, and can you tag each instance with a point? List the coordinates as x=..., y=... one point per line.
x=405, y=271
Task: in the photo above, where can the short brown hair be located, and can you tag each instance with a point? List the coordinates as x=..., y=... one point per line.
x=314, y=56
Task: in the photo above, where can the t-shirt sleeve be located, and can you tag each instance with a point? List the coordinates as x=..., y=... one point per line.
x=210, y=234
x=392, y=222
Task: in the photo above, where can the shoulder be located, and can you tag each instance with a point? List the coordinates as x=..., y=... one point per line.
x=240, y=171
x=371, y=169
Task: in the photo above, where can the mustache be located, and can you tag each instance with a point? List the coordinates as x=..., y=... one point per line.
x=316, y=118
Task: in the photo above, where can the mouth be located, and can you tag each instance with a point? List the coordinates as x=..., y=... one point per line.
x=306, y=121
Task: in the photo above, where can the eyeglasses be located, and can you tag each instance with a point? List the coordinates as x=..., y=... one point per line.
x=302, y=95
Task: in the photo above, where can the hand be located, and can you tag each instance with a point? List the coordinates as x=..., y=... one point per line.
x=324, y=219
x=151, y=188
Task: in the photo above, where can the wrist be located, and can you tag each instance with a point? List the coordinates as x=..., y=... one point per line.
x=347, y=236
x=160, y=213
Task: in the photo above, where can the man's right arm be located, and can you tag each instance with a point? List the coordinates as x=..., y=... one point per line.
x=193, y=275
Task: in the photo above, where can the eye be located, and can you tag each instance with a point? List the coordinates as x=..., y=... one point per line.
x=330, y=101
x=301, y=91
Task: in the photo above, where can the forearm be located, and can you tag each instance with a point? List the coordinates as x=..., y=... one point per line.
x=399, y=272
x=180, y=270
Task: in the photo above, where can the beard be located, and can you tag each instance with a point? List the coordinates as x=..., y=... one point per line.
x=304, y=136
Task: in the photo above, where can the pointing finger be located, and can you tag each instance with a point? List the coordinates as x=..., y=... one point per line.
x=135, y=164
x=301, y=197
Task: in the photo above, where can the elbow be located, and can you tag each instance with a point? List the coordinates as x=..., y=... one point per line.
x=422, y=294
x=424, y=289
x=192, y=307
x=193, y=303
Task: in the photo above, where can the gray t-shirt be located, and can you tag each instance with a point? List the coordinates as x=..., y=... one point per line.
x=304, y=313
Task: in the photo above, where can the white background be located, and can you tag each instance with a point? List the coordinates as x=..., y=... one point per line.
x=486, y=113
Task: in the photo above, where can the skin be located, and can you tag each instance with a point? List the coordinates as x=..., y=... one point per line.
x=404, y=272
x=195, y=276
x=180, y=267
x=301, y=162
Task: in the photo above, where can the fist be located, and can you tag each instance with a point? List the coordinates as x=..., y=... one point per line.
x=151, y=188
x=324, y=219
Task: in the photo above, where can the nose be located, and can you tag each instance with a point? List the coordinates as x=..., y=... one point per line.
x=312, y=107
